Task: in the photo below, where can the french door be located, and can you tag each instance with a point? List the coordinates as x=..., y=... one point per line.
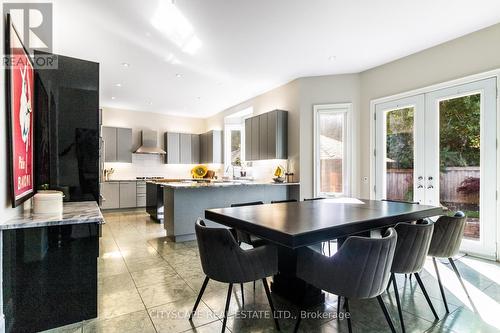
x=439, y=148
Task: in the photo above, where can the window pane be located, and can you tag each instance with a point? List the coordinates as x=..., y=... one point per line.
x=399, y=154
x=235, y=147
x=331, y=151
x=459, y=140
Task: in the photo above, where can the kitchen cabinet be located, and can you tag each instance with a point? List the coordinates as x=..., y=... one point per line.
x=185, y=148
x=117, y=144
x=172, y=142
x=128, y=194
x=141, y=194
x=212, y=147
x=110, y=192
x=254, y=137
x=124, y=145
x=263, y=134
x=195, y=149
x=266, y=136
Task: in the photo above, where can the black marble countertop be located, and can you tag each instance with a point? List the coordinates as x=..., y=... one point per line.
x=73, y=213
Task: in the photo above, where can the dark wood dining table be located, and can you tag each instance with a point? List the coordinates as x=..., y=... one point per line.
x=294, y=225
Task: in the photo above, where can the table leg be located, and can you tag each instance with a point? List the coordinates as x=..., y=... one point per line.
x=288, y=286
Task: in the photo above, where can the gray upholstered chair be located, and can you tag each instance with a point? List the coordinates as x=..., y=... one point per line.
x=360, y=269
x=411, y=251
x=244, y=237
x=445, y=243
x=223, y=260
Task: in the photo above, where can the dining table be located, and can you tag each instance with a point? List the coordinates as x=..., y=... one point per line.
x=293, y=225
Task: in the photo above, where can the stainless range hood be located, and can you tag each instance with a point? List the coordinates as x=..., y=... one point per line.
x=149, y=143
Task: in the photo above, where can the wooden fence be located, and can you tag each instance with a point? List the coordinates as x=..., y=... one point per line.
x=400, y=184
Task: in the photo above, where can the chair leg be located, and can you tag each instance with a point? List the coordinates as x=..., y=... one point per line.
x=329, y=249
x=420, y=283
x=271, y=305
x=202, y=290
x=242, y=295
x=349, y=323
x=297, y=323
x=254, y=286
x=440, y=285
x=460, y=279
x=226, y=309
x=398, y=302
x=339, y=300
x=386, y=313
x=389, y=285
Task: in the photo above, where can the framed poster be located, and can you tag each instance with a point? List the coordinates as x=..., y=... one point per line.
x=20, y=109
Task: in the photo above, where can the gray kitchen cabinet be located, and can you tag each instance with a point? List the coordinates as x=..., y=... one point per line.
x=195, y=149
x=277, y=135
x=117, y=144
x=128, y=194
x=266, y=136
x=185, y=148
x=141, y=194
x=248, y=139
x=254, y=148
x=110, y=192
x=172, y=147
x=124, y=145
x=263, y=149
x=212, y=147
x=109, y=138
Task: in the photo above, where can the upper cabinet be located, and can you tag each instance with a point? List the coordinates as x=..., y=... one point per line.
x=182, y=148
x=212, y=147
x=117, y=144
x=266, y=136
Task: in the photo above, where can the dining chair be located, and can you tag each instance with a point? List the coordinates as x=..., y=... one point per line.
x=283, y=201
x=409, y=258
x=445, y=243
x=244, y=237
x=359, y=270
x=223, y=260
x=328, y=242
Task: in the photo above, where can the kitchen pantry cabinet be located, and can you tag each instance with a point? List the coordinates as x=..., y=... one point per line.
x=212, y=147
x=117, y=144
x=182, y=148
x=266, y=136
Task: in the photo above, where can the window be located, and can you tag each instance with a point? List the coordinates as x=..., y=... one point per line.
x=234, y=138
x=332, y=150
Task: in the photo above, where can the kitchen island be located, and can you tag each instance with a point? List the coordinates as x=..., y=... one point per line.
x=50, y=267
x=185, y=202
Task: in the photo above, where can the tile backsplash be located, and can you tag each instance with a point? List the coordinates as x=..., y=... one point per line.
x=144, y=165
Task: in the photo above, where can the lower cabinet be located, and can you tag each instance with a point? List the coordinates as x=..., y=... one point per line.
x=128, y=195
x=110, y=192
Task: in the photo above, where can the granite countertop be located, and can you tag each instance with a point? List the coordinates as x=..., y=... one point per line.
x=181, y=185
x=73, y=213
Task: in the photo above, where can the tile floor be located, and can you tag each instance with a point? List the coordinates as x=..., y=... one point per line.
x=147, y=283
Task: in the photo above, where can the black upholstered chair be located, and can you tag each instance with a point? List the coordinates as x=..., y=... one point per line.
x=244, y=237
x=411, y=251
x=283, y=201
x=445, y=243
x=359, y=270
x=223, y=260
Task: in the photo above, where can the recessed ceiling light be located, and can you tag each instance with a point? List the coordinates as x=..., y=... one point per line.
x=125, y=64
x=118, y=85
x=332, y=58
x=178, y=75
x=113, y=97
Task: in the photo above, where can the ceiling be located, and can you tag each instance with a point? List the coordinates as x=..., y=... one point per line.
x=197, y=57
